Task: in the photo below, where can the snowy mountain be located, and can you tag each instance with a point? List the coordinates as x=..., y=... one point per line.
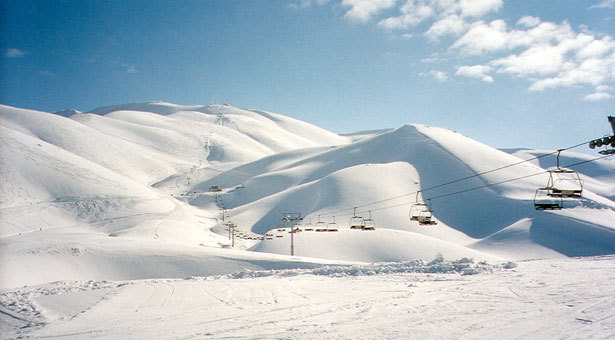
x=149, y=159
x=145, y=191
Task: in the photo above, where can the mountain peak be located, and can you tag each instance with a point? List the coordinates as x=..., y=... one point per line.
x=67, y=112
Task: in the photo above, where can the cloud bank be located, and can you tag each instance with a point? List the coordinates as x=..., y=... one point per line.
x=548, y=55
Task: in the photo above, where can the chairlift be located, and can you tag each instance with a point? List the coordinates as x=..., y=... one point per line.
x=544, y=201
x=332, y=226
x=369, y=223
x=421, y=212
x=308, y=226
x=356, y=222
x=564, y=182
x=320, y=225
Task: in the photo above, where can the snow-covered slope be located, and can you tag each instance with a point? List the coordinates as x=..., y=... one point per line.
x=141, y=174
x=546, y=299
x=329, y=183
x=145, y=191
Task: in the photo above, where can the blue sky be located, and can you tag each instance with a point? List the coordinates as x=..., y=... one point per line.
x=507, y=73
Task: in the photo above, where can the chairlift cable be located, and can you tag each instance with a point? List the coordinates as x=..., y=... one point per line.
x=516, y=179
x=457, y=180
x=487, y=185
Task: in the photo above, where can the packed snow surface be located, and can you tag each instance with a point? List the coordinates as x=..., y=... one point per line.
x=120, y=217
x=539, y=299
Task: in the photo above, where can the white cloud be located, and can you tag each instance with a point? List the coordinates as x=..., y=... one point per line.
x=412, y=14
x=363, y=10
x=475, y=8
x=494, y=37
x=537, y=60
x=484, y=38
x=598, y=96
x=547, y=54
x=132, y=69
x=434, y=58
x=476, y=71
x=450, y=25
x=594, y=72
x=14, y=53
x=596, y=48
x=439, y=75
x=603, y=88
x=605, y=4
x=550, y=55
x=528, y=21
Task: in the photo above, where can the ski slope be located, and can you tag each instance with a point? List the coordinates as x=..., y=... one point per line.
x=111, y=209
x=547, y=299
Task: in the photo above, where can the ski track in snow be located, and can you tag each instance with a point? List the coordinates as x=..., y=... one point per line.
x=566, y=298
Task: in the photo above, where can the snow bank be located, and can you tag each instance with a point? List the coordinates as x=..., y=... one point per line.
x=464, y=266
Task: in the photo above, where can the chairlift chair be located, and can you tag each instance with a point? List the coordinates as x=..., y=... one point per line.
x=308, y=226
x=425, y=218
x=332, y=226
x=320, y=225
x=544, y=201
x=421, y=212
x=369, y=223
x=356, y=222
x=564, y=182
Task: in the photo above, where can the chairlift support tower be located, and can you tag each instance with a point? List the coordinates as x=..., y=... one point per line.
x=607, y=141
x=293, y=218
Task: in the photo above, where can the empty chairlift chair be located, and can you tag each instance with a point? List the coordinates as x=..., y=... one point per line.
x=421, y=212
x=356, y=222
x=308, y=226
x=369, y=223
x=320, y=225
x=544, y=201
x=332, y=226
x=564, y=182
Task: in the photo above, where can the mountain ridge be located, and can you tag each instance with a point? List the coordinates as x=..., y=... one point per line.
x=160, y=166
